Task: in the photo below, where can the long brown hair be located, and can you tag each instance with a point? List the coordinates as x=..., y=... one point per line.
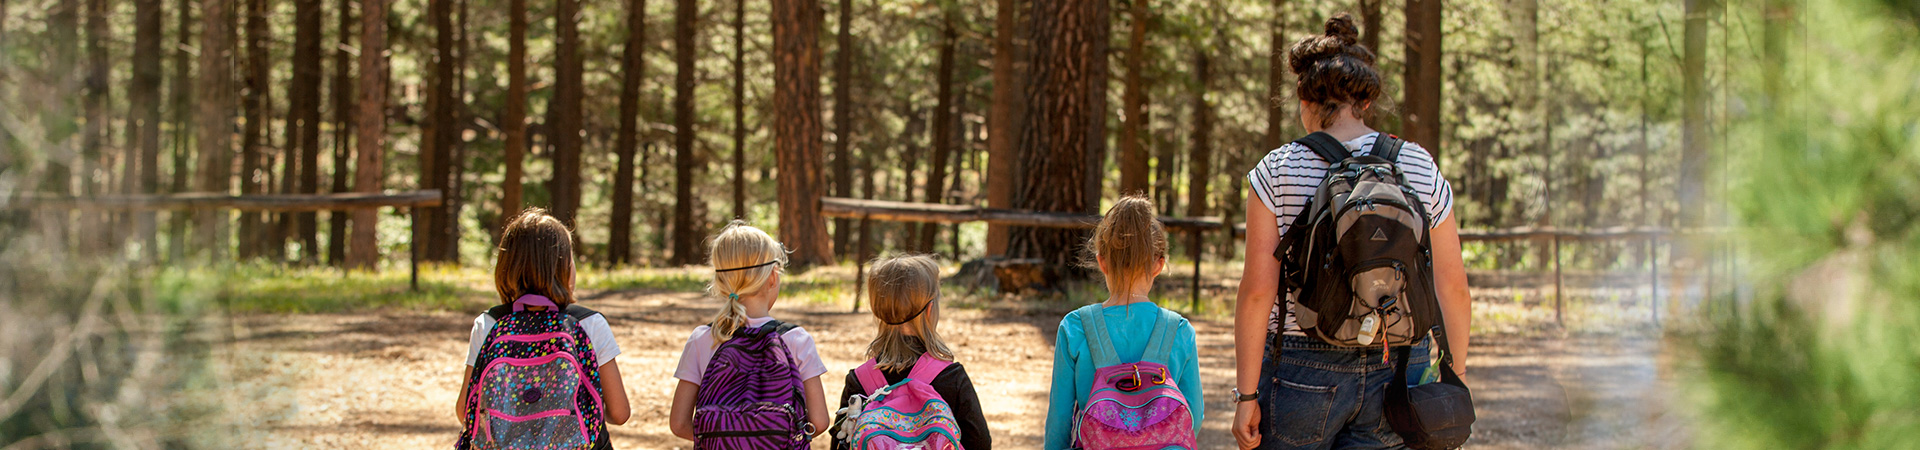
x=742, y=258
x=1335, y=70
x=904, y=290
x=1131, y=240
x=535, y=258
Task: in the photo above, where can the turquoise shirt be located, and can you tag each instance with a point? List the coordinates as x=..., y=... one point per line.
x=1128, y=327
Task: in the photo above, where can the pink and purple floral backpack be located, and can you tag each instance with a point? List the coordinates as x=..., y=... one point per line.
x=750, y=395
x=535, y=385
x=1135, y=405
x=904, y=415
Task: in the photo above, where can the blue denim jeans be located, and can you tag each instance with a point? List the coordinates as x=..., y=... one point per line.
x=1316, y=396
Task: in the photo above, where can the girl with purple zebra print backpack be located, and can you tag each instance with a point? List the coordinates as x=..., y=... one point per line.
x=540, y=368
x=748, y=381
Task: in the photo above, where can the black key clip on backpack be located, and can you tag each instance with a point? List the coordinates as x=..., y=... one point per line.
x=1433, y=416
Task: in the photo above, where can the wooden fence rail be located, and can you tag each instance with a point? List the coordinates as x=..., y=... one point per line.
x=210, y=200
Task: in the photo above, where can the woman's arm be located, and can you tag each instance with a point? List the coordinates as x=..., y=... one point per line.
x=680, y=418
x=1450, y=280
x=1259, y=289
x=816, y=405
x=613, y=393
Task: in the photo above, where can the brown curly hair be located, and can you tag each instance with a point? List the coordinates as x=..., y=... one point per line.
x=1335, y=70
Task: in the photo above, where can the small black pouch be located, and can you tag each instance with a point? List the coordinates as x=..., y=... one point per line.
x=1432, y=416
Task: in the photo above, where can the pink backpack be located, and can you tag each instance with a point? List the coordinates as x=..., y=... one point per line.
x=904, y=415
x=1134, y=405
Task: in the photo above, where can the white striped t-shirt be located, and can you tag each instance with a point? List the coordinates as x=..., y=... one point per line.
x=1286, y=179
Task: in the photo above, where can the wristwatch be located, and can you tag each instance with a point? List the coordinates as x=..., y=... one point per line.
x=1243, y=398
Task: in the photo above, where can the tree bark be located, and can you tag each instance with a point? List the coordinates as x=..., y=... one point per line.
x=342, y=133
x=1370, y=22
x=740, y=109
x=216, y=103
x=1200, y=161
x=254, y=226
x=842, y=118
x=686, y=238
x=1005, y=121
x=942, y=126
x=564, y=114
x=1421, y=109
x=96, y=231
x=430, y=230
x=303, y=121
x=514, y=120
x=1277, y=77
x=371, y=129
x=144, y=97
x=1099, y=23
x=1133, y=152
x=181, y=95
x=796, y=131
x=620, y=239
x=1054, y=142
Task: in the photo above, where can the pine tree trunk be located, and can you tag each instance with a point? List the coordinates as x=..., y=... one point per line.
x=1421, y=109
x=1054, y=142
x=1133, y=152
x=342, y=134
x=564, y=114
x=843, y=119
x=1099, y=23
x=514, y=120
x=686, y=237
x=942, y=127
x=1277, y=77
x=254, y=226
x=437, y=132
x=180, y=95
x=1200, y=161
x=372, y=129
x=1006, y=119
x=796, y=131
x=1695, y=142
x=620, y=240
x=144, y=97
x=303, y=121
x=96, y=232
x=216, y=104
x=1370, y=23
x=740, y=109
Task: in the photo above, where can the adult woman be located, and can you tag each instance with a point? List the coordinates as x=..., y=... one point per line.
x=1310, y=394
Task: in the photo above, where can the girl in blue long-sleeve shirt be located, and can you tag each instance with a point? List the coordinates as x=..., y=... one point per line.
x=1131, y=247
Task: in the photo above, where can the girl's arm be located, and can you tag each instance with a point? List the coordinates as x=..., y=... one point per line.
x=680, y=419
x=613, y=393
x=1064, y=395
x=816, y=405
x=1259, y=289
x=460, y=404
x=1450, y=280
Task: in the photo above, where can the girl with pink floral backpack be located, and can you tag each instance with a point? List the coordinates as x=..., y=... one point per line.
x=1125, y=371
x=909, y=394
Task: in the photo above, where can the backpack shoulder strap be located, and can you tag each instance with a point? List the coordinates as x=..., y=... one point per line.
x=928, y=367
x=580, y=313
x=780, y=328
x=1387, y=147
x=870, y=377
x=500, y=311
x=1326, y=146
x=1160, y=345
x=1093, y=322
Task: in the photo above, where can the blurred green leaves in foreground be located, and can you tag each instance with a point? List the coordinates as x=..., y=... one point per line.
x=1825, y=352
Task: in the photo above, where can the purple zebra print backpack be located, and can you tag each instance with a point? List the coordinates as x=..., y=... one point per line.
x=535, y=385
x=750, y=397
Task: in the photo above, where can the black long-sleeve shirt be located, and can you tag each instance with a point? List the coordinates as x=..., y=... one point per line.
x=954, y=386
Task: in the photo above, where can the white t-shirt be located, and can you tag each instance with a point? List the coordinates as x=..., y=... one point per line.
x=1286, y=179
x=599, y=333
x=699, y=351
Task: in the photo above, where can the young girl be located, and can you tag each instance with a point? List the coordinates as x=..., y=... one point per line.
x=746, y=275
x=536, y=259
x=906, y=306
x=1131, y=249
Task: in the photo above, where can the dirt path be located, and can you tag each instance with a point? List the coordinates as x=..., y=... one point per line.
x=388, y=380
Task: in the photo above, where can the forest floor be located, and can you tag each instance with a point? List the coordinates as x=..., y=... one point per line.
x=387, y=379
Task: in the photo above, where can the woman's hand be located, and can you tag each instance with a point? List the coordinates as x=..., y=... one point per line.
x=1246, y=424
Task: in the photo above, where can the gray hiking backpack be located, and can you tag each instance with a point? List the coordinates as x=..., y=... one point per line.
x=1360, y=254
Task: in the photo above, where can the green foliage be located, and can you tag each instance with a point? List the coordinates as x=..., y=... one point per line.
x=1822, y=355
x=261, y=288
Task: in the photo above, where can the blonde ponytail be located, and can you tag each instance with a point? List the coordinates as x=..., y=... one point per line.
x=742, y=258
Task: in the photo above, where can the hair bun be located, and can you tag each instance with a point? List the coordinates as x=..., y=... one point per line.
x=1341, y=26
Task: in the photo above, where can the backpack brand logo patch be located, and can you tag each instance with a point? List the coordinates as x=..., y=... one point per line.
x=1379, y=234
